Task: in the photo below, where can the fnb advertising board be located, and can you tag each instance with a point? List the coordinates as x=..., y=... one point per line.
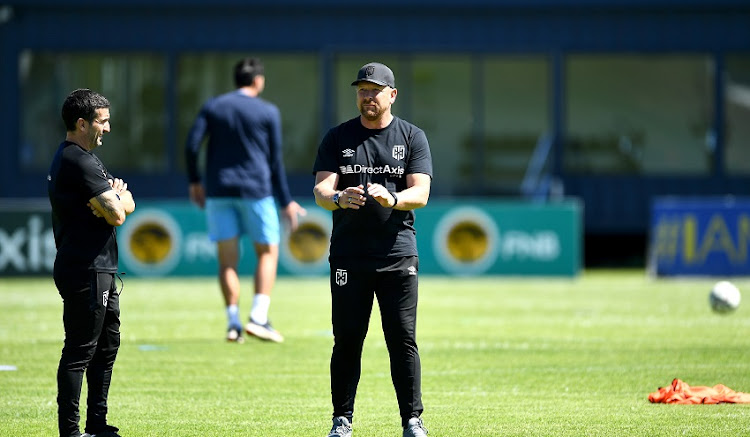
x=700, y=237
x=168, y=238
x=500, y=238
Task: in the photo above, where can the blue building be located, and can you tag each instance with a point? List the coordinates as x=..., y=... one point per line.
x=612, y=101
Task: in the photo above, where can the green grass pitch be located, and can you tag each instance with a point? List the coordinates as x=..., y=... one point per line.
x=500, y=357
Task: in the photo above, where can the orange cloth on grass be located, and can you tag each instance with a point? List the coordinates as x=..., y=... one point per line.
x=681, y=393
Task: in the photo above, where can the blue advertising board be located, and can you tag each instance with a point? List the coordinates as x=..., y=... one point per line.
x=700, y=237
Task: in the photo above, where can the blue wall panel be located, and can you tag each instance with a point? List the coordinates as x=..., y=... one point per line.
x=513, y=30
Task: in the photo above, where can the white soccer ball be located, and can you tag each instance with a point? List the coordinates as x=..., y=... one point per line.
x=725, y=297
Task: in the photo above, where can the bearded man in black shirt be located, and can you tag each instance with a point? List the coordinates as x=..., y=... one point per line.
x=88, y=204
x=373, y=171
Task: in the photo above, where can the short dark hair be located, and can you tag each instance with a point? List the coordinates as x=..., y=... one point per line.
x=82, y=103
x=246, y=70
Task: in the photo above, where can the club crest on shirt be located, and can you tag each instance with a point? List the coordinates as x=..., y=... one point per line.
x=399, y=152
x=341, y=277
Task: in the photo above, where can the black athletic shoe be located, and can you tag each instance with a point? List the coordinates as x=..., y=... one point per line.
x=341, y=427
x=102, y=434
x=415, y=428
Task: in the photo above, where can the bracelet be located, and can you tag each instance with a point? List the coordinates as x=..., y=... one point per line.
x=395, y=199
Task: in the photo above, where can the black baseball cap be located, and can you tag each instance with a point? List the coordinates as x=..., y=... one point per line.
x=376, y=73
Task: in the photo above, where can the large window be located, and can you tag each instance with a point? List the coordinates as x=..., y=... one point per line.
x=737, y=113
x=515, y=97
x=133, y=83
x=630, y=114
x=292, y=84
x=440, y=100
x=639, y=114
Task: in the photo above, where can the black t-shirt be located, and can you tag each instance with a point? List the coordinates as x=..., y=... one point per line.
x=84, y=241
x=383, y=156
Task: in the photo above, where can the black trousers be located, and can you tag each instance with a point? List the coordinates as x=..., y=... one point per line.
x=91, y=317
x=353, y=286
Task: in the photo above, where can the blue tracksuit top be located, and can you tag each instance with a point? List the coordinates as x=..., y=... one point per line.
x=243, y=155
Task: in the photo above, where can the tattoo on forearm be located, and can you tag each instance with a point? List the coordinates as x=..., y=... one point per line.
x=107, y=206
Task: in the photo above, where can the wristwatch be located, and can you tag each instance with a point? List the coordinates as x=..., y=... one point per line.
x=336, y=197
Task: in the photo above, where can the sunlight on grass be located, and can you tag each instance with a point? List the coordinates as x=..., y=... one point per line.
x=500, y=356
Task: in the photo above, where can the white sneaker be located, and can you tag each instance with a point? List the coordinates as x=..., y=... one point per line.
x=263, y=332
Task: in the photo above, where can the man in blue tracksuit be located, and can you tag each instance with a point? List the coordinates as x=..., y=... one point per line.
x=244, y=171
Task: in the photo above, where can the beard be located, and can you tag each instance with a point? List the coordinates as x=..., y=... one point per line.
x=370, y=113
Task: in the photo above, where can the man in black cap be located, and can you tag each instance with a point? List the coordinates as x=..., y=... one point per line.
x=373, y=171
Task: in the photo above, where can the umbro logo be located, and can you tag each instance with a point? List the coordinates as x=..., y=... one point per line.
x=348, y=153
x=412, y=271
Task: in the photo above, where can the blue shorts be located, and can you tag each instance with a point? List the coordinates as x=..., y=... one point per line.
x=232, y=217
